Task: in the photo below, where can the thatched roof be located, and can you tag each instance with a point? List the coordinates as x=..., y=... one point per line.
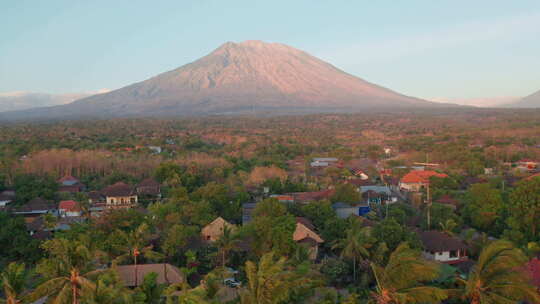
x=438, y=241
x=133, y=275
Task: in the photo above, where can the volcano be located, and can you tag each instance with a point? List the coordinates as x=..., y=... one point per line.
x=237, y=78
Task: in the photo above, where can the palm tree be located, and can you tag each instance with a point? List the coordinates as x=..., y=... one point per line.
x=13, y=280
x=401, y=280
x=269, y=282
x=134, y=244
x=151, y=289
x=496, y=277
x=65, y=289
x=448, y=226
x=227, y=242
x=356, y=244
x=65, y=283
x=109, y=289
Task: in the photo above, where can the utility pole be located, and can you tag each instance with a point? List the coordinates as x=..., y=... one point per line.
x=428, y=208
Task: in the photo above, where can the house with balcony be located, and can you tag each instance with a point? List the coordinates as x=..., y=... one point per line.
x=119, y=195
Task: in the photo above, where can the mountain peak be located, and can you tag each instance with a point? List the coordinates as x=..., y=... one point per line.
x=254, y=45
x=239, y=77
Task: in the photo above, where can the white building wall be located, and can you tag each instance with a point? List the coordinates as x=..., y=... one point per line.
x=440, y=256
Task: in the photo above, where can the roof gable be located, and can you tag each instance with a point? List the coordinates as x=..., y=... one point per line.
x=216, y=227
x=303, y=232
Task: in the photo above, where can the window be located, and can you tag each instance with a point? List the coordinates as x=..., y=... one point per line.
x=453, y=254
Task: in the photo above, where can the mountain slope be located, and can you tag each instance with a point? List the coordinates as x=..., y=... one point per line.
x=531, y=101
x=238, y=78
x=13, y=101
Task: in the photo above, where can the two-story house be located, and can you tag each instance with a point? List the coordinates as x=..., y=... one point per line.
x=119, y=195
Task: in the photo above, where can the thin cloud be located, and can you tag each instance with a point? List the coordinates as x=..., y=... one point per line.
x=464, y=34
x=478, y=102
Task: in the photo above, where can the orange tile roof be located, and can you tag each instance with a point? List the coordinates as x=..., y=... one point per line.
x=283, y=197
x=420, y=176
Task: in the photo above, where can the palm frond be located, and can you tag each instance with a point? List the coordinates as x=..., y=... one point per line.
x=64, y=296
x=47, y=288
x=424, y=294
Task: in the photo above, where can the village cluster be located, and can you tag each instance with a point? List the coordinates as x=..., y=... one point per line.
x=377, y=186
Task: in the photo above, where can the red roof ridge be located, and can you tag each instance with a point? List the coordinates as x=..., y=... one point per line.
x=69, y=205
x=421, y=176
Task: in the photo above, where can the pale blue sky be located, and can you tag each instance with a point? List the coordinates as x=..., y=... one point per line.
x=449, y=49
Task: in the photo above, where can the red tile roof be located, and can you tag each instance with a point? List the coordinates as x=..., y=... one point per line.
x=69, y=206
x=420, y=176
x=282, y=197
x=118, y=189
x=312, y=196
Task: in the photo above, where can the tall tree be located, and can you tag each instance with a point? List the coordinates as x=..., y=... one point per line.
x=13, y=281
x=403, y=279
x=151, y=289
x=109, y=289
x=272, y=228
x=496, y=277
x=135, y=244
x=355, y=245
x=346, y=193
x=484, y=205
x=226, y=243
x=269, y=282
x=67, y=269
x=525, y=209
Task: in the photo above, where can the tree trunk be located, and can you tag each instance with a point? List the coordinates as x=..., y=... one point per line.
x=136, y=270
x=223, y=257
x=354, y=268
x=74, y=295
